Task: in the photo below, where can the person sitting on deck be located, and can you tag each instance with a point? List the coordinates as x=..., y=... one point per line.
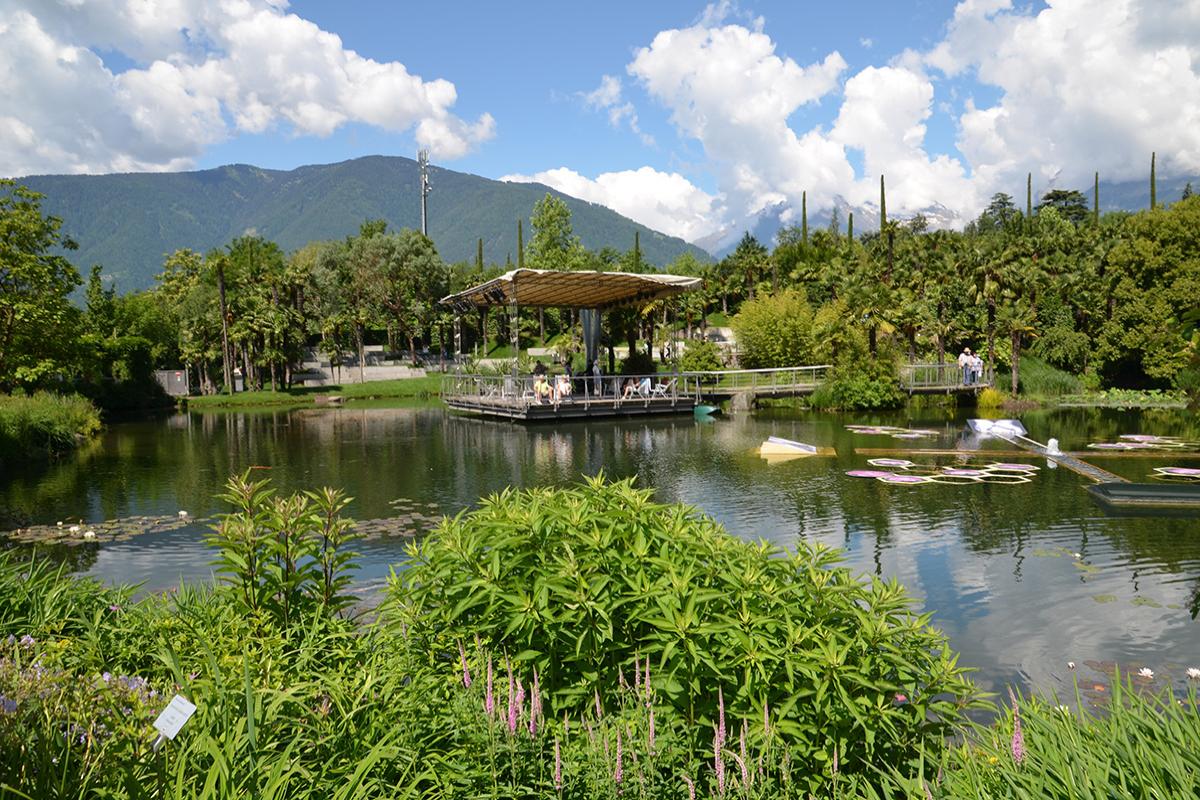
x=562, y=388
x=630, y=389
x=541, y=388
x=644, y=386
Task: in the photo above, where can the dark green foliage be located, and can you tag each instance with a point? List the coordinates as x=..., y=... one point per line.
x=1070, y=204
x=1039, y=379
x=804, y=215
x=1028, y=197
x=850, y=226
x=702, y=356
x=581, y=582
x=1153, y=183
x=882, y=205
x=638, y=363
x=1096, y=199
x=859, y=384
x=153, y=214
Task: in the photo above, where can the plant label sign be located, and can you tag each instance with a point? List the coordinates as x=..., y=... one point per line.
x=173, y=717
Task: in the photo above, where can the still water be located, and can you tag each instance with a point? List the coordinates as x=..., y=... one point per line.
x=1023, y=578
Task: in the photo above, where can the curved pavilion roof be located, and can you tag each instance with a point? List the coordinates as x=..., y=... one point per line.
x=561, y=289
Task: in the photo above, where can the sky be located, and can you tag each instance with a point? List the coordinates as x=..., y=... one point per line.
x=688, y=117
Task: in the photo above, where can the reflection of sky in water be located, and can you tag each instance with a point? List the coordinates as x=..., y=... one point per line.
x=994, y=563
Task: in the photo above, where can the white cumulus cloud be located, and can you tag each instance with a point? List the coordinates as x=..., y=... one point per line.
x=203, y=71
x=663, y=201
x=607, y=96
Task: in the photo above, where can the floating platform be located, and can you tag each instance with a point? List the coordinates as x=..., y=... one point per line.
x=521, y=410
x=775, y=449
x=1147, y=495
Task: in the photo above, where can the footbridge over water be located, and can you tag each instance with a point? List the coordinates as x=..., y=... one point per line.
x=517, y=398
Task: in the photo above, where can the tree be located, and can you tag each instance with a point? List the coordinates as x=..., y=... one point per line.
x=775, y=331
x=414, y=277
x=553, y=245
x=998, y=214
x=1070, y=204
x=1153, y=184
x=37, y=320
x=882, y=204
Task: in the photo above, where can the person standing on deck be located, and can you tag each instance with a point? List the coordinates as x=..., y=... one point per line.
x=597, y=383
x=964, y=364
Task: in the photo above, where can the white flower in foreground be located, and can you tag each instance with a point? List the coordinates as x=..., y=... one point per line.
x=74, y=529
x=60, y=524
x=1145, y=672
x=1078, y=555
x=1193, y=673
x=1070, y=665
x=89, y=534
x=183, y=514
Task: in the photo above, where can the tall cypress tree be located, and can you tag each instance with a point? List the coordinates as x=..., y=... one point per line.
x=637, y=251
x=804, y=216
x=479, y=256
x=850, y=226
x=520, y=245
x=882, y=205
x=1028, y=197
x=1153, y=184
x=1096, y=200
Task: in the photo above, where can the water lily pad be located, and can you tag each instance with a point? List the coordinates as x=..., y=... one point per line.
x=1146, y=601
x=1104, y=598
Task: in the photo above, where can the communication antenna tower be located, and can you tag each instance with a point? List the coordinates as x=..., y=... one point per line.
x=426, y=188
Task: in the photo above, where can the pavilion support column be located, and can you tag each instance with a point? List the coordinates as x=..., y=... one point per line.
x=589, y=319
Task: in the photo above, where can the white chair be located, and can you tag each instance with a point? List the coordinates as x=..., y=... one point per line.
x=663, y=389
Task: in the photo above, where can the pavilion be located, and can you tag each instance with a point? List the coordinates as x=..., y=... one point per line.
x=588, y=292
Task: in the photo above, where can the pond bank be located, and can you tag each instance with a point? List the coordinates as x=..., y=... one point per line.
x=401, y=388
x=44, y=424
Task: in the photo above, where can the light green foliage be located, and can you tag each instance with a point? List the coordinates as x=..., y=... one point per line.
x=37, y=320
x=284, y=557
x=553, y=244
x=859, y=384
x=581, y=582
x=44, y=423
x=702, y=356
x=776, y=331
x=1140, y=745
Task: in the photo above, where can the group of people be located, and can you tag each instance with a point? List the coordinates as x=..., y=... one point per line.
x=559, y=388
x=971, y=365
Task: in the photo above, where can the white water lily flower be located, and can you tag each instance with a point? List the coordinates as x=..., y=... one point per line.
x=1079, y=555
x=89, y=534
x=1193, y=673
x=1070, y=665
x=182, y=514
x=60, y=524
x=74, y=529
x=1145, y=672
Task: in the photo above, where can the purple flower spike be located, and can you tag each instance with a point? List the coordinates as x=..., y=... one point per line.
x=691, y=787
x=649, y=690
x=619, y=773
x=28, y=641
x=557, y=767
x=1018, y=738
x=719, y=761
x=466, y=673
x=489, y=700
x=599, y=712
x=650, y=738
x=720, y=718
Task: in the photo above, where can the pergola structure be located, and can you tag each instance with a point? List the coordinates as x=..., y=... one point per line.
x=589, y=292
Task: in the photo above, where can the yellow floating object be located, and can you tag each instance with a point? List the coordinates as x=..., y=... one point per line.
x=775, y=448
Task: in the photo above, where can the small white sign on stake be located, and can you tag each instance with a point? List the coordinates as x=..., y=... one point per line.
x=172, y=719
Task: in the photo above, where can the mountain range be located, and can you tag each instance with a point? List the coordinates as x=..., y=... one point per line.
x=765, y=226
x=128, y=223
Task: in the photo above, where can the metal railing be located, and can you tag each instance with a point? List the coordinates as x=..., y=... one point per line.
x=784, y=379
x=943, y=376
x=518, y=392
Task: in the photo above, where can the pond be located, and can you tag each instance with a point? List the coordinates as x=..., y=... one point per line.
x=1022, y=576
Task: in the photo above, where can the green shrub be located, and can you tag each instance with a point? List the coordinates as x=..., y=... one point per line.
x=990, y=398
x=581, y=583
x=701, y=356
x=775, y=330
x=860, y=385
x=44, y=423
x=1040, y=379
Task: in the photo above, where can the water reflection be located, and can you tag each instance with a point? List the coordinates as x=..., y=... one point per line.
x=997, y=564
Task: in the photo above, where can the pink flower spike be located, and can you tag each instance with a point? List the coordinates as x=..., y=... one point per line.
x=637, y=673
x=691, y=787
x=1018, y=738
x=619, y=774
x=766, y=718
x=650, y=739
x=649, y=690
x=557, y=767
x=742, y=761
x=720, y=717
x=489, y=700
x=599, y=712
x=719, y=761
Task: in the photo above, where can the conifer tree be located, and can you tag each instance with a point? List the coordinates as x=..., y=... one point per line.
x=1028, y=198
x=850, y=226
x=882, y=205
x=637, y=251
x=1153, y=186
x=804, y=217
x=520, y=245
x=479, y=256
x=1096, y=199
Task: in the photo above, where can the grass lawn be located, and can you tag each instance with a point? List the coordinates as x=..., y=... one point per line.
x=412, y=388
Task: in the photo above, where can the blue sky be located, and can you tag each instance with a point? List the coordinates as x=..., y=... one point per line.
x=692, y=118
